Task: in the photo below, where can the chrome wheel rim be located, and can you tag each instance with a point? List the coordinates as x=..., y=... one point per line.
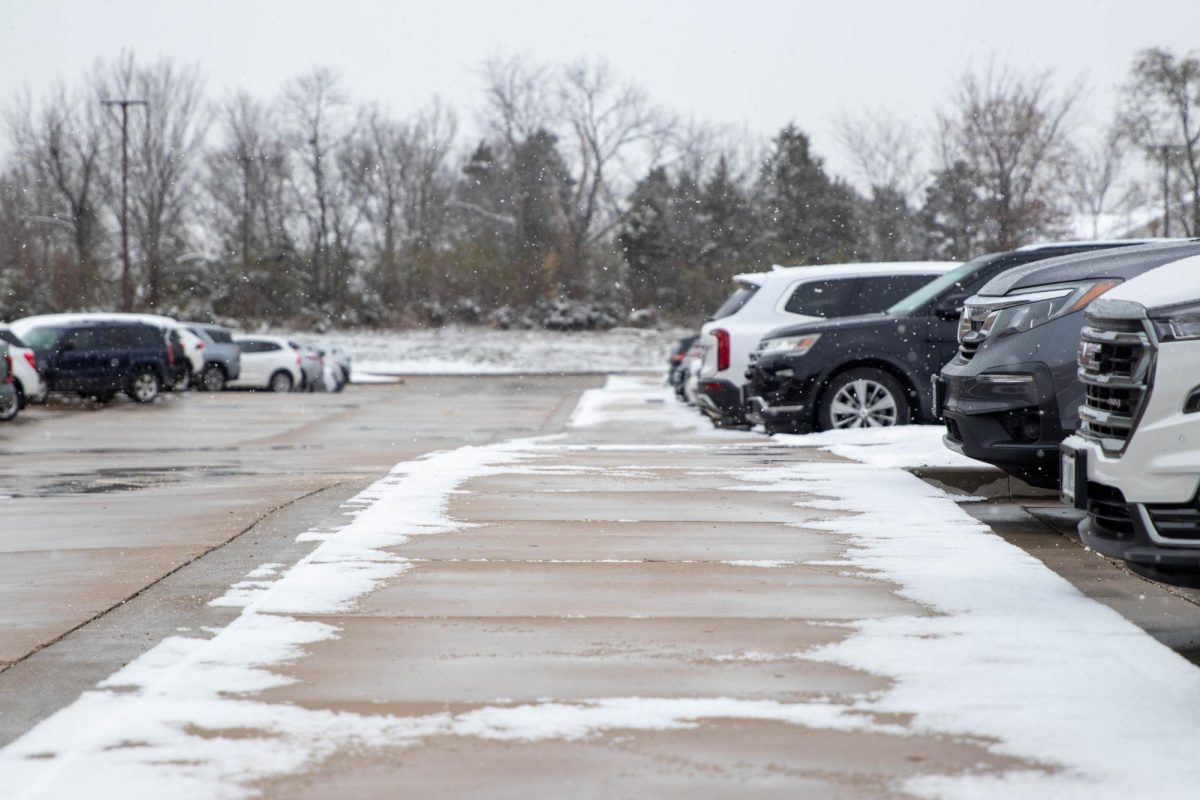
x=145, y=387
x=863, y=404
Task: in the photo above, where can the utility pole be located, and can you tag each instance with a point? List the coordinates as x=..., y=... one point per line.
x=126, y=278
x=1165, y=149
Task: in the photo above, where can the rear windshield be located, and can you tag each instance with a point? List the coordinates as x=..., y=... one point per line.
x=43, y=338
x=739, y=298
x=11, y=338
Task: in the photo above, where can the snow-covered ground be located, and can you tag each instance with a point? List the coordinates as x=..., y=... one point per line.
x=1007, y=654
x=902, y=446
x=458, y=350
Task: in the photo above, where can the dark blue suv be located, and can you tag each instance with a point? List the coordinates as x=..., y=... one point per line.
x=99, y=359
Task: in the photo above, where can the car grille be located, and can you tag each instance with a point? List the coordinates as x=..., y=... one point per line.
x=972, y=322
x=1115, y=358
x=952, y=430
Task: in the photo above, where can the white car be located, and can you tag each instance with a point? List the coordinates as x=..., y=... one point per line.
x=193, y=345
x=764, y=301
x=30, y=386
x=1134, y=464
x=269, y=362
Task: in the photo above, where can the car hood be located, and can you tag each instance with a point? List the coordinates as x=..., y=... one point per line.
x=862, y=322
x=1123, y=263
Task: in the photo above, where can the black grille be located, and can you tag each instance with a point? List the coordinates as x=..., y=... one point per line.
x=1114, y=366
x=1176, y=521
x=1109, y=512
x=952, y=430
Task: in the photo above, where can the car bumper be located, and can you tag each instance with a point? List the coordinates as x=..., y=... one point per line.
x=781, y=392
x=1013, y=425
x=720, y=400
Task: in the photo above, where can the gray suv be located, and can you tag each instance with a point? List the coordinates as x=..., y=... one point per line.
x=222, y=356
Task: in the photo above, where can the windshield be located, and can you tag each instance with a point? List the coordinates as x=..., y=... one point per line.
x=955, y=277
x=739, y=298
x=42, y=338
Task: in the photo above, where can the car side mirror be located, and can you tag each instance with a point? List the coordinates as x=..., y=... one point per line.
x=950, y=306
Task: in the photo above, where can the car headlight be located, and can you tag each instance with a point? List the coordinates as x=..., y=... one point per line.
x=792, y=345
x=1025, y=311
x=1178, y=323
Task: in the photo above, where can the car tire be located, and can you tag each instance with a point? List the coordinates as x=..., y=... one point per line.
x=183, y=380
x=12, y=412
x=281, y=381
x=863, y=397
x=144, y=387
x=213, y=379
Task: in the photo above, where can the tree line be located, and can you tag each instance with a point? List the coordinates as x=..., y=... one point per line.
x=578, y=200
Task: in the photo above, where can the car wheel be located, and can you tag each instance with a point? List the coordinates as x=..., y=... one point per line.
x=144, y=387
x=863, y=398
x=213, y=379
x=183, y=380
x=11, y=411
x=280, y=382
x=339, y=383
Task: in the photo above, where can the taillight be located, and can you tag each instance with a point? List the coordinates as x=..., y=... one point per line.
x=199, y=345
x=8, y=376
x=170, y=354
x=722, y=337
x=31, y=357
x=299, y=360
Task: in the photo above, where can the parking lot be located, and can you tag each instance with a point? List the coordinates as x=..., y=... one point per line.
x=625, y=600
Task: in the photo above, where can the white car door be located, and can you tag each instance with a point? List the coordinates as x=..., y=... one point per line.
x=256, y=364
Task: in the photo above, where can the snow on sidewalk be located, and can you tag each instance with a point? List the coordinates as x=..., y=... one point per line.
x=1010, y=655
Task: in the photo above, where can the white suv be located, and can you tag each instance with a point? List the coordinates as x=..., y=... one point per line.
x=1134, y=465
x=269, y=362
x=764, y=301
x=29, y=383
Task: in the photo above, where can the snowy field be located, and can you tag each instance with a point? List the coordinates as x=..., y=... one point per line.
x=461, y=350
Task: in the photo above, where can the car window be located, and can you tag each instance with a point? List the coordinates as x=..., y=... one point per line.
x=148, y=338
x=83, y=339
x=873, y=294
x=11, y=338
x=112, y=338
x=739, y=298
x=43, y=338
x=219, y=335
x=819, y=298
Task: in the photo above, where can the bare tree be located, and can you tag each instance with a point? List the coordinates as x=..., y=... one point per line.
x=1094, y=178
x=884, y=149
x=164, y=147
x=1012, y=132
x=315, y=116
x=58, y=145
x=1161, y=113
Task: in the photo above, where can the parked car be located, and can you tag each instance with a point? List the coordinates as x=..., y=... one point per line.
x=100, y=358
x=185, y=348
x=341, y=365
x=1134, y=464
x=9, y=406
x=676, y=363
x=268, y=362
x=312, y=366
x=1011, y=394
x=875, y=370
x=765, y=301
x=222, y=356
x=28, y=382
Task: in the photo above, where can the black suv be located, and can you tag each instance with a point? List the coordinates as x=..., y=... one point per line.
x=1012, y=393
x=874, y=370
x=99, y=359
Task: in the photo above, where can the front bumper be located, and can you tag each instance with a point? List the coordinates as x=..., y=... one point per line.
x=1013, y=425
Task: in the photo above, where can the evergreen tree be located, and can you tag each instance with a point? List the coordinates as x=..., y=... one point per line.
x=809, y=218
x=955, y=217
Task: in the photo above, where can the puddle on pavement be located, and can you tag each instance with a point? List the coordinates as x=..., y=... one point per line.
x=105, y=481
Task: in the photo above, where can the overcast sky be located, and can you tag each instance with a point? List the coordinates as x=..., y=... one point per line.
x=753, y=64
